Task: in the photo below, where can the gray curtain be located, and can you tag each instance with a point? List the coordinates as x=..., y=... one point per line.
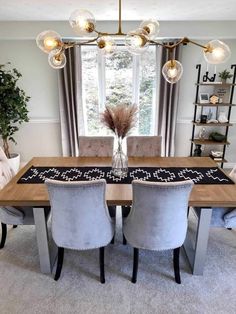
x=168, y=97
x=70, y=102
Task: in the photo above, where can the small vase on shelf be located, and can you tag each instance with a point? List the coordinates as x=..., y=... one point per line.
x=119, y=160
x=197, y=151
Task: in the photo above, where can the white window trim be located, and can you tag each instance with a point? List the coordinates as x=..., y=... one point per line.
x=136, y=79
x=101, y=81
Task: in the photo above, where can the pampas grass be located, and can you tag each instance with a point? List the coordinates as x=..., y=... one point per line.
x=120, y=119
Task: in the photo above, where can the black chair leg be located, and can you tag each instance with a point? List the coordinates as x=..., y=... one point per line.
x=176, y=265
x=4, y=235
x=14, y=226
x=124, y=240
x=101, y=263
x=60, y=258
x=135, y=265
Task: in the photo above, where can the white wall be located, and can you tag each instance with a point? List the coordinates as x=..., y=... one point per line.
x=41, y=136
x=192, y=56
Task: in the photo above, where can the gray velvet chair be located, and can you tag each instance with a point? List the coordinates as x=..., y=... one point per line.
x=96, y=146
x=222, y=217
x=80, y=218
x=158, y=219
x=141, y=146
x=12, y=215
x=144, y=146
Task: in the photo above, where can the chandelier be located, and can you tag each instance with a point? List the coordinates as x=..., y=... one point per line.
x=136, y=41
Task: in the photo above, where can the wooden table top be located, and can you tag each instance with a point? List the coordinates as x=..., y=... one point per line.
x=217, y=195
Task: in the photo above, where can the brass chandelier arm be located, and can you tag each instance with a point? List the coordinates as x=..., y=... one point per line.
x=70, y=44
x=119, y=23
x=137, y=41
x=184, y=41
x=206, y=48
x=119, y=32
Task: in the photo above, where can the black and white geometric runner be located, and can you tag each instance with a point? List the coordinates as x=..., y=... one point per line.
x=199, y=175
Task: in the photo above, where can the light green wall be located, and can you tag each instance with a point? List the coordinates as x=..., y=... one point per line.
x=41, y=137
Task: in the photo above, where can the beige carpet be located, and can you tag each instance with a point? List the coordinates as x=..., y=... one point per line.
x=23, y=289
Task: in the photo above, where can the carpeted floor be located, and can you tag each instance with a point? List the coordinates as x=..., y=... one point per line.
x=23, y=289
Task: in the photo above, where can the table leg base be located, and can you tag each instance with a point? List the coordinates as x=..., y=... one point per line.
x=196, y=254
x=46, y=257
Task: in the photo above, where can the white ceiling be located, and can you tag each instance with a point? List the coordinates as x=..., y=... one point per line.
x=56, y=10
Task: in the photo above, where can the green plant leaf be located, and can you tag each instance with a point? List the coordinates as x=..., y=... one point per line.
x=13, y=103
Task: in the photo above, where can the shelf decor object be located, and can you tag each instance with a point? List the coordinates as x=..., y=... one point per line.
x=222, y=119
x=224, y=75
x=137, y=41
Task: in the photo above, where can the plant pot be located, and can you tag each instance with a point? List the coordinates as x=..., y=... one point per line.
x=14, y=162
x=224, y=81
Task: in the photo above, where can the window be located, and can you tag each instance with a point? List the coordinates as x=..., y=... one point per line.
x=121, y=78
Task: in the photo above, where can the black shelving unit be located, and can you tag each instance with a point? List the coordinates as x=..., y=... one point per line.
x=197, y=141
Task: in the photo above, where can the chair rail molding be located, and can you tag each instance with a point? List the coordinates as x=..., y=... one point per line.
x=44, y=120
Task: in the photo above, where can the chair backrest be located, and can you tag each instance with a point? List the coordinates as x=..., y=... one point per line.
x=80, y=218
x=233, y=174
x=144, y=146
x=158, y=218
x=96, y=146
x=6, y=172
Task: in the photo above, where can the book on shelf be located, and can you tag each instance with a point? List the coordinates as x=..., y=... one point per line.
x=216, y=158
x=223, y=92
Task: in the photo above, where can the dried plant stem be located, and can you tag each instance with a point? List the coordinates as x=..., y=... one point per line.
x=120, y=119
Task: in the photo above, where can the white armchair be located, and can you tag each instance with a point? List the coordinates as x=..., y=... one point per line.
x=13, y=215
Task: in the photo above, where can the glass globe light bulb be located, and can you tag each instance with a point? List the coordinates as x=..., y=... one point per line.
x=107, y=45
x=152, y=27
x=137, y=41
x=82, y=22
x=172, y=71
x=48, y=41
x=57, y=60
x=216, y=52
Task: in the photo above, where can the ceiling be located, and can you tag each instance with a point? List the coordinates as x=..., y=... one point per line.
x=56, y=10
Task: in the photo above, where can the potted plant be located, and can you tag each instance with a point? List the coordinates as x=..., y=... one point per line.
x=13, y=108
x=224, y=75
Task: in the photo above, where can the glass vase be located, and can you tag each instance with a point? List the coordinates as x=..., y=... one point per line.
x=119, y=160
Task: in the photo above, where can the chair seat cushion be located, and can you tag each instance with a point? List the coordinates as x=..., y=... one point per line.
x=11, y=215
x=230, y=219
x=218, y=217
x=19, y=215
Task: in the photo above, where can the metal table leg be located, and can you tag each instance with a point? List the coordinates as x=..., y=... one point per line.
x=46, y=258
x=196, y=254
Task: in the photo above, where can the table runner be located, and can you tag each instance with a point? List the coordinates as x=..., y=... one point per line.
x=199, y=175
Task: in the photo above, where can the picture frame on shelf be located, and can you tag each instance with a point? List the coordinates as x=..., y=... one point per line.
x=210, y=112
x=204, y=98
x=223, y=92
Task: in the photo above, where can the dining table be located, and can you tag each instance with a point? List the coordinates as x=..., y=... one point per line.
x=205, y=196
